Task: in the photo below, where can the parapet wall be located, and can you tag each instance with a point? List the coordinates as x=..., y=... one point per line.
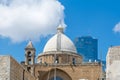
x=4, y=67
x=10, y=69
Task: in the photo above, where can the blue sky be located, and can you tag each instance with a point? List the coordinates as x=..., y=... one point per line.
x=96, y=18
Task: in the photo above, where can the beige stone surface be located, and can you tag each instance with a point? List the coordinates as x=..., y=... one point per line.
x=10, y=69
x=69, y=72
x=4, y=67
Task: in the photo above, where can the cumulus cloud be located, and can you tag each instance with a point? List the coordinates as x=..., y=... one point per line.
x=117, y=28
x=22, y=20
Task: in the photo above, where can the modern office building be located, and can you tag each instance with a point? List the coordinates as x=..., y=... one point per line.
x=87, y=47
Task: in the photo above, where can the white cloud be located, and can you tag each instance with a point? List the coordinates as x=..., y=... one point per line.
x=117, y=28
x=22, y=20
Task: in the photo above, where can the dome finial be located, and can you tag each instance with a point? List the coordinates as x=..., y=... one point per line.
x=60, y=28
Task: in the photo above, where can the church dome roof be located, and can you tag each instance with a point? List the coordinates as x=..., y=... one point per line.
x=60, y=42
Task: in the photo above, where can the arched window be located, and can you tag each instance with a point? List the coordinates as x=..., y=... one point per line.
x=29, y=54
x=29, y=57
x=73, y=61
x=57, y=59
x=57, y=78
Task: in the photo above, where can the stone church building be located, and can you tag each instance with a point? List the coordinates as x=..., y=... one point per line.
x=58, y=61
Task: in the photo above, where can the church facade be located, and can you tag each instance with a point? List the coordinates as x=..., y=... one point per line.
x=58, y=61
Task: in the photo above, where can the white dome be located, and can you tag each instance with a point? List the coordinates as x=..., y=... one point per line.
x=60, y=42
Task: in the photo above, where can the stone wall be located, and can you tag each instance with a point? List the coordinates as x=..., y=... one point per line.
x=10, y=69
x=62, y=57
x=4, y=67
x=17, y=72
x=113, y=63
x=74, y=72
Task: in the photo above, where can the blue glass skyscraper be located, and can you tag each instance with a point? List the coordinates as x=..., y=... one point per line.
x=87, y=47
